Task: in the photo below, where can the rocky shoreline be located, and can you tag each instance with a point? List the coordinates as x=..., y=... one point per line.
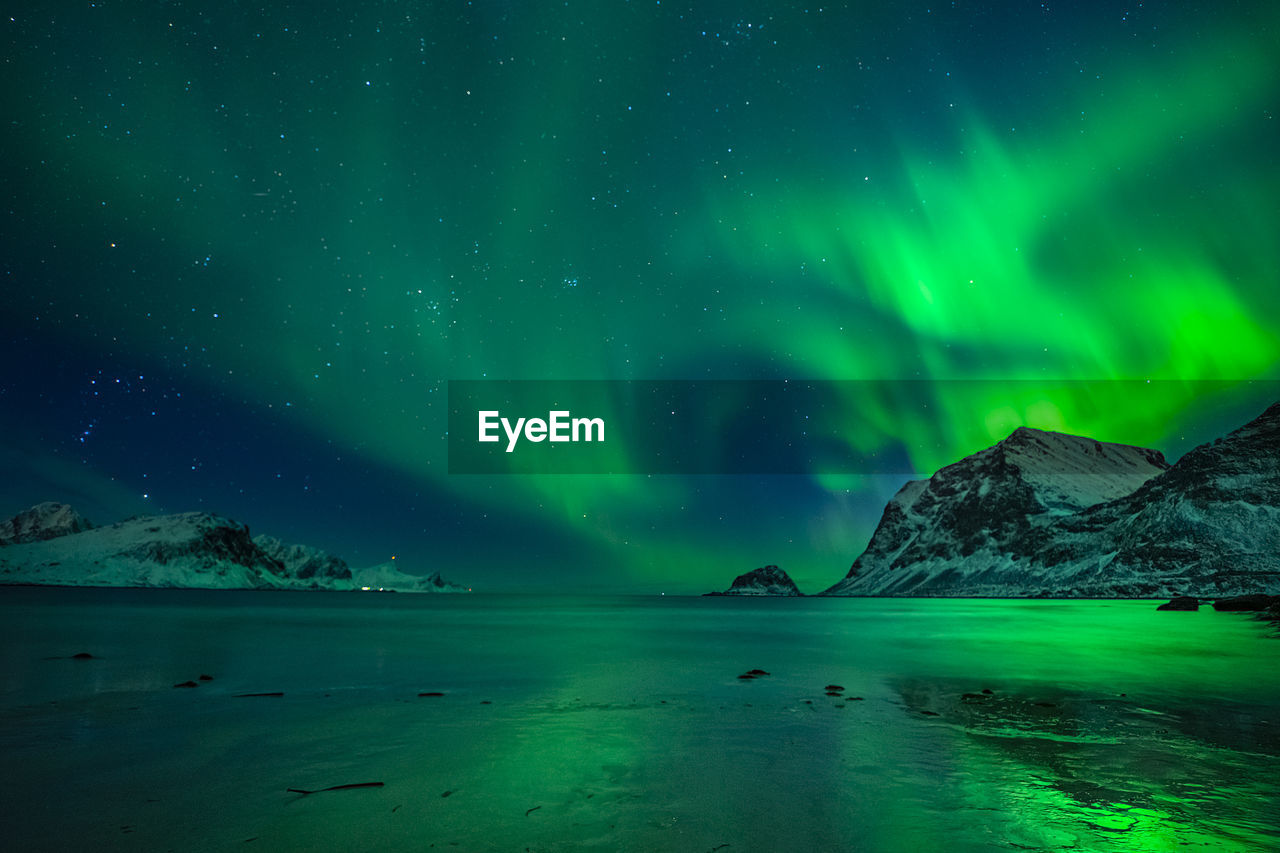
x=1265, y=607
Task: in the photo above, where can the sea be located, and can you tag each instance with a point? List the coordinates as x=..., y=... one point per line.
x=541, y=723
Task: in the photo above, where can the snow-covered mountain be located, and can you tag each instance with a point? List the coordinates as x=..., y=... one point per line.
x=388, y=577
x=968, y=518
x=1046, y=514
x=192, y=549
x=189, y=549
x=43, y=521
x=767, y=580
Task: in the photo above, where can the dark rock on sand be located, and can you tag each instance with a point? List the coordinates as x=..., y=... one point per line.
x=1182, y=602
x=1242, y=603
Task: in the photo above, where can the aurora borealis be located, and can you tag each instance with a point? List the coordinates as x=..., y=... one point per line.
x=247, y=249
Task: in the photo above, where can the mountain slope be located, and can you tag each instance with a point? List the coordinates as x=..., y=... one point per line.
x=188, y=549
x=1209, y=526
x=304, y=563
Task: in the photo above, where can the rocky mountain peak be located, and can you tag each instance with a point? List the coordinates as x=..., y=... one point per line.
x=43, y=521
x=767, y=580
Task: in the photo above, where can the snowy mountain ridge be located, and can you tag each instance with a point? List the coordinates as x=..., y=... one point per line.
x=186, y=550
x=1047, y=514
x=1068, y=473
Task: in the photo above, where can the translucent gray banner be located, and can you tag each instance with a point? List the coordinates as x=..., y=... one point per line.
x=779, y=426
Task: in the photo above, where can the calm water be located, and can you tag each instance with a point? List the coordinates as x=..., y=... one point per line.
x=621, y=724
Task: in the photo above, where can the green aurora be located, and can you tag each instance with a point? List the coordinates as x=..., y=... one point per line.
x=318, y=219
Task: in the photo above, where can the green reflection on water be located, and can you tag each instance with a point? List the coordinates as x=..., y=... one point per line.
x=621, y=724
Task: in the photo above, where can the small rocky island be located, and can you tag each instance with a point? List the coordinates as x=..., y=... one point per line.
x=767, y=580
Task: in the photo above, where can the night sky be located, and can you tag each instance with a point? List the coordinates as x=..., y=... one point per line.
x=246, y=249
